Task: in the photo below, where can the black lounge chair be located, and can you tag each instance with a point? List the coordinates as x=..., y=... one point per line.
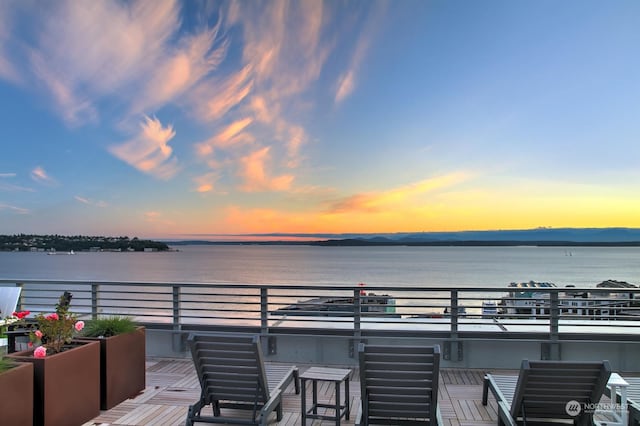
x=548, y=390
x=399, y=385
x=233, y=375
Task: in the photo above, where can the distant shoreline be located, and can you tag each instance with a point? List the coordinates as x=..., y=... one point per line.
x=545, y=237
x=365, y=243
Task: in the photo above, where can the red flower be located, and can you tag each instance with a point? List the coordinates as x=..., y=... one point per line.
x=20, y=315
x=52, y=317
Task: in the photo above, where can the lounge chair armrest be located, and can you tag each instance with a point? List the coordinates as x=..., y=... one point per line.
x=504, y=414
x=270, y=406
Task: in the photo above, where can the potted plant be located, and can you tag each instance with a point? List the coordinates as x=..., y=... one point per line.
x=66, y=374
x=122, y=358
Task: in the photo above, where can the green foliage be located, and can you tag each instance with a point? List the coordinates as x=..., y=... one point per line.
x=63, y=243
x=108, y=326
x=6, y=364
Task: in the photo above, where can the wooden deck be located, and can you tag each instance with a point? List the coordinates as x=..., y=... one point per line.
x=172, y=386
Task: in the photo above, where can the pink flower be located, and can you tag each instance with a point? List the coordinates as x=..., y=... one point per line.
x=38, y=334
x=40, y=352
x=79, y=325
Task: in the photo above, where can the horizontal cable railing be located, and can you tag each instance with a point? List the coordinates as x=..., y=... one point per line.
x=355, y=310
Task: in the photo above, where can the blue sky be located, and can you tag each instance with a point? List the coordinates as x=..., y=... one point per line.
x=164, y=119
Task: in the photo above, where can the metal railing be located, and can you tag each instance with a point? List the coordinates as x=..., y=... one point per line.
x=471, y=323
x=346, y=308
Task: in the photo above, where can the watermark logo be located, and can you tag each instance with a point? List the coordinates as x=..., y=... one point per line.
x=573, y=408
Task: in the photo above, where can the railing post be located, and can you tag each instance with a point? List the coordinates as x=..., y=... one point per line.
x=453, y=346
x=270, y=344
x=264, y=310
x=357, y=322
x=554, y=319
x=95, y=288
x=178, y=346
x=454, y=312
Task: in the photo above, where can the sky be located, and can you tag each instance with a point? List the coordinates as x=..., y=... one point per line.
x=165, y=119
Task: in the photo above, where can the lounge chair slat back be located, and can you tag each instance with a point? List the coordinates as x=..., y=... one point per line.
x=399, y=383
x=543, y=390
x=231, y=369
x=232, y=374
x=545, y=387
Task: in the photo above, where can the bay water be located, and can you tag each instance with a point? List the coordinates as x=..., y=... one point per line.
x=458, y=267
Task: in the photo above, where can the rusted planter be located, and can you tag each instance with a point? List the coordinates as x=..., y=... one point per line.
x=66, y=385
x=16, y=402
x=122, y=367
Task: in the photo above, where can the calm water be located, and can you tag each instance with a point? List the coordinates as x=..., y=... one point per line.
x=403, y=266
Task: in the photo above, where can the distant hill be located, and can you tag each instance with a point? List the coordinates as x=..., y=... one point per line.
x=576, y=235
x=51, y=243
x=538, y=236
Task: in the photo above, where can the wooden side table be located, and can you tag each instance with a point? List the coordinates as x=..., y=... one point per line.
x=335, y=375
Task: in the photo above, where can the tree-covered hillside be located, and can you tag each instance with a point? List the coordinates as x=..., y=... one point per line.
x=24, y=242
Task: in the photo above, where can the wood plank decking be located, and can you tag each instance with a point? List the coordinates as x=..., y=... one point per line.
x=172, y=386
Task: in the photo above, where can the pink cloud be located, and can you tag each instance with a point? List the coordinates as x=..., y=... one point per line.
x=150, y=152
x=206, y=182
x=39, y=175
x=253, y=171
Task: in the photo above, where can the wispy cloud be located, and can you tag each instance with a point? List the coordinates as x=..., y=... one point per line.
x=90, y=202
x=7, y=69
x=347, y=81
x=396, y=197
x=206, y=182
x=284, y=48
x=194, y=58
x=14, y=209
x=150, y=152
x=255, y=176
x=232, y=134
x=216, y=97
x=141, y=60
x=39, y=175
x=14, y=188
x=82, y=58
x=9, y=187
